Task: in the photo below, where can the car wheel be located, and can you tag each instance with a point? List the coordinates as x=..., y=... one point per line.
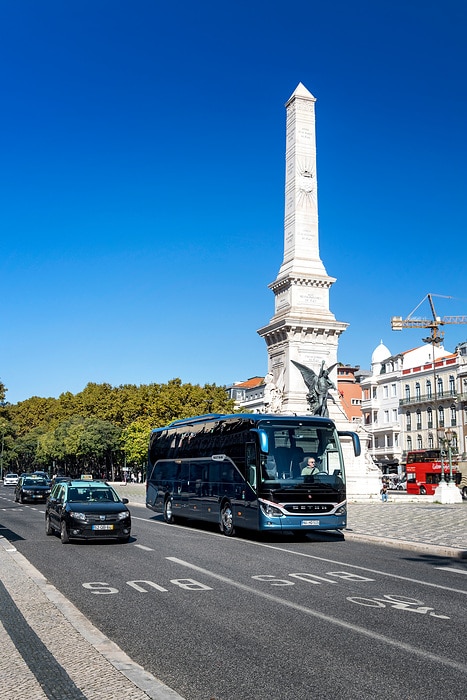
x=21, y=499
x=226, y=520
x=168, y=511
x=422, y=491
x=48, y=527
x=64, y=533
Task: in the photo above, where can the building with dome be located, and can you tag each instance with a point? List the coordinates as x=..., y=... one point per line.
x=405, y=399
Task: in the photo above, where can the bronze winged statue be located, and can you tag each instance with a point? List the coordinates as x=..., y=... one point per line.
x=318, y=386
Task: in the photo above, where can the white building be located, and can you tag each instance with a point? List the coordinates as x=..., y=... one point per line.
x=407, y=398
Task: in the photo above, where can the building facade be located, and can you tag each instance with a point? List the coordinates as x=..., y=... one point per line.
x=408, y=397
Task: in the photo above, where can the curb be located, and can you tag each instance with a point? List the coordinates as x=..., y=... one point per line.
x=421, y=547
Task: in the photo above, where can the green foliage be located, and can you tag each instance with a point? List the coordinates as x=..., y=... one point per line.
x=101, y=427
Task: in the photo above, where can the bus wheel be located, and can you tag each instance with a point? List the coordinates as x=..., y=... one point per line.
x=168, y=511
x=422, y=491
x=226, y=519
x=464, y=493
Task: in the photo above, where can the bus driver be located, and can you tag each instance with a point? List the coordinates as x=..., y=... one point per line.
x=310, y=467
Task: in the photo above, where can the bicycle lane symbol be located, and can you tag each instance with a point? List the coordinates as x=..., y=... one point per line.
x=398, y=603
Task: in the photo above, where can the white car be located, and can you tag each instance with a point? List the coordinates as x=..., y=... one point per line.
x=10, y=479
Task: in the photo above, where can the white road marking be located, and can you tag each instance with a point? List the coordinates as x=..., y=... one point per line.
x=141, y=546
x=454, y=571
x=327, y=618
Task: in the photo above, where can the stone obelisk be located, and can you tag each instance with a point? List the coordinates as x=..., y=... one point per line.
x=302, y=328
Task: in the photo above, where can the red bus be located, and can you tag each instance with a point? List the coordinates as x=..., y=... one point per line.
x=424, y=471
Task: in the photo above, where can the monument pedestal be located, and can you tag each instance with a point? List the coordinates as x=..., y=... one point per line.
x=447, y=492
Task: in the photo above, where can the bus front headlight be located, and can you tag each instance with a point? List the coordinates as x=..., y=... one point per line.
x=270, y=510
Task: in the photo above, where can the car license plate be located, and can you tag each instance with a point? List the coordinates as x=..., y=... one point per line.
x=102, y=527
x=310, y=522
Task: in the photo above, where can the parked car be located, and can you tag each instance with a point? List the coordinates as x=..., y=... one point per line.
x=85, y=509
x=10, y=479
x=32, y=488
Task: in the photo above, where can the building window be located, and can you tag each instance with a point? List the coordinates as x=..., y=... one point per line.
x=428, y=388
x=396, y=439
x=408, y=421
x=409, y=442
x=440, y=386
x=407, y=392
x=394, y=415
x=430, y=442
x=417, y=391
x=441, y=417
x=386, y=416
x=393, y=390
x=419, y=442
x=419, y=420
x=453, y=415
x=429, y=417
x=385, y=391
x=376, y=442
x=374, y=392
x=375, y=417
x=452, y=385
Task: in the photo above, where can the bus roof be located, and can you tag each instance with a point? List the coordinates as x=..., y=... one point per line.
x=256, y=417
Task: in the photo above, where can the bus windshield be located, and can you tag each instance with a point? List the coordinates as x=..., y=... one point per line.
x=303, y=453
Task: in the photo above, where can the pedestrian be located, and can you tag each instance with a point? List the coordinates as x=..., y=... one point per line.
x=384, y=492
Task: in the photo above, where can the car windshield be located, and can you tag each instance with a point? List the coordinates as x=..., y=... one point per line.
x=86, y=493
x=30, y=483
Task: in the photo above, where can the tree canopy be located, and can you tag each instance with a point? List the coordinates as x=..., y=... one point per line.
x=102, y=429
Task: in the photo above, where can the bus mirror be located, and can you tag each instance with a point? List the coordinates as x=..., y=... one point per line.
x=263, y=440
x=355, y=440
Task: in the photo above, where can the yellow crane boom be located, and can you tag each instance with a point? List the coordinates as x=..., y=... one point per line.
x=398, y=323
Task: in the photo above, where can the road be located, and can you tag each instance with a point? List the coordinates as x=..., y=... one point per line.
x=220, y=618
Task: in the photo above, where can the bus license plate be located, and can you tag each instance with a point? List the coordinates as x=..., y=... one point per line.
x=102, y=527
x=310, y=522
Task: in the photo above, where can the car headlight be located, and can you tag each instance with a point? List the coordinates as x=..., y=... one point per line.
x=123, y=515
x=342, y=510
x=78, y=516
x=270, y=511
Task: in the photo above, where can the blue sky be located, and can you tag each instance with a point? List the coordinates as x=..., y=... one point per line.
x=142, y=180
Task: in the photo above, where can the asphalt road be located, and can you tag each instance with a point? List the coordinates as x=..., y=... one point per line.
x=221, y=618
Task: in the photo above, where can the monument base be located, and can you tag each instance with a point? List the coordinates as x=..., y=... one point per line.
x=447, y=492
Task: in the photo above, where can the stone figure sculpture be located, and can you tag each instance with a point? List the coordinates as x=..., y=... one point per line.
x=272, y=395
x=318, y=386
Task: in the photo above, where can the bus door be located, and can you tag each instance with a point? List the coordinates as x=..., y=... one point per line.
x=181, y=487
x=195, y=488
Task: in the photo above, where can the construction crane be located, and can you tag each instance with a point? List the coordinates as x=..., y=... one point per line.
x=436, y=337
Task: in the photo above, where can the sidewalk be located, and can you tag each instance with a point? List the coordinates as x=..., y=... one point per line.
x=76, y=662
x=82, y=664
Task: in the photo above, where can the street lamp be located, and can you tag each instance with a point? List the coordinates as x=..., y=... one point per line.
x=1, y=450
x=447, y=439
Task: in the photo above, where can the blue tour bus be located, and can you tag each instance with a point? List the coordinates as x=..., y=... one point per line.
x=245, y=471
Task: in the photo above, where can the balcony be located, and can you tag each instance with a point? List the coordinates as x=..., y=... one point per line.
x=430, y=398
